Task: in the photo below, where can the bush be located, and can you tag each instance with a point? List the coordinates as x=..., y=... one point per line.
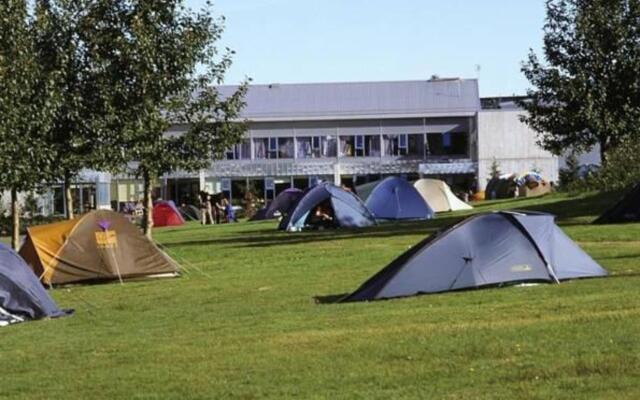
x=622, y=168
x=571, y=173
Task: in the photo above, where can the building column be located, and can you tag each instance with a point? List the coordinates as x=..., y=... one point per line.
x=175, y=190
x=163, y=187
x=64, y=203
x=337, y=180
x=201, y=180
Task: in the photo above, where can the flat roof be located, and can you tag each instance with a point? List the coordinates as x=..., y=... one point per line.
x=360, y=100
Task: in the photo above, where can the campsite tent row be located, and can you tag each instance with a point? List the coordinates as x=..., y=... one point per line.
x=436, y=193
x=390, y=199
x=483, y=250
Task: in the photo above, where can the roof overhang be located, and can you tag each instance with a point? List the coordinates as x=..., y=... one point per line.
x=285, y=118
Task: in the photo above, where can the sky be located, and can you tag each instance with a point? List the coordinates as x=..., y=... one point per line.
x=294, y=41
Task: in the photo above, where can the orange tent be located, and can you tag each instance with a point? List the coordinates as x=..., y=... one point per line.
x=98, y=246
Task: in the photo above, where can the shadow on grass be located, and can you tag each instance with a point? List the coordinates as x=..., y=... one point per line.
x=278, y=238
x=330, y=298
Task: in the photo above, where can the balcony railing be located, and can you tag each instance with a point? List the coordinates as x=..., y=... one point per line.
x=322, y=166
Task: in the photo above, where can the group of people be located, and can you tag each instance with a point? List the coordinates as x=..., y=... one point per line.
x=215, y=209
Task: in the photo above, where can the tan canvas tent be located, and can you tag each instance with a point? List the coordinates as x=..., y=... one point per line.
x=98, y=246
x=438, y=196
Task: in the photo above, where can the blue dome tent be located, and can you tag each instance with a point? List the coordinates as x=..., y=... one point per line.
x=395, y=198
x=483, y=250
x=22, y=296
x=327, y=205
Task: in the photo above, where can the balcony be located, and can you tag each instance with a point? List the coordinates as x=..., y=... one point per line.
x=322, y=166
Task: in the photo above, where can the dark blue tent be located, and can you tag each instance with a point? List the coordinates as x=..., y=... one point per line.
x=395, y=198
x=625, y=210
x=285, y=202
x=22, y=296
x=346, y=209
x=483, y=250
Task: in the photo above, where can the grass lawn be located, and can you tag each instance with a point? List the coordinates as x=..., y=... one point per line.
x=242, y=323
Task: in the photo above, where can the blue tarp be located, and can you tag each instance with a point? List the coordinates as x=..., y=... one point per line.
x=483, y=250
x=395, y=198
x=22, y=296
x=348, y=210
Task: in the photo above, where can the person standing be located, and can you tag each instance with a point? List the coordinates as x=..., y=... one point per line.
x=210, y=210
x=228, y=210
x=219, y=207
x=205, y=208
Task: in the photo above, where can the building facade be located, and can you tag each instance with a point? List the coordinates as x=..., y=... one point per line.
x=347, y=133
x=352, y=133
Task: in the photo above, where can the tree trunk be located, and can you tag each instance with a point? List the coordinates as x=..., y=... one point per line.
x=147, y=217
x=604, y=148
x=15, y=220
x=68, y=196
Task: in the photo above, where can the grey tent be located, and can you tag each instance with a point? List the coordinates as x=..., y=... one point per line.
x=625, y=210
x=483, y=250
x=190, y=212
x=22, y=296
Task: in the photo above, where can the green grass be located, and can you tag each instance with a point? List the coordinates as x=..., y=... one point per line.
x=242, y=323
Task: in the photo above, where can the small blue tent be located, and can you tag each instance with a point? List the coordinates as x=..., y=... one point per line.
x=395, y=198
x=22, y=296
x=483, y=250
x=346, y=209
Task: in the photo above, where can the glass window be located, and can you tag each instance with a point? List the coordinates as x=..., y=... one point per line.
x=346, y=146
x=260, y=148
x=240, y=151
x=285, y=147
x=305, y=147
x=316, y=146
x=273, y=148
x=329, y=146
x=404, y=145
x=360, y=146
x=402, y=141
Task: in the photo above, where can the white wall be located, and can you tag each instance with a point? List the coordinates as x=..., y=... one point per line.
x=513, y=144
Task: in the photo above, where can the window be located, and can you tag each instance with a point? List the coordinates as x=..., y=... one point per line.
x=404, y=145
x=360, y=146
x=346, y=146
x=448, y=144
x=316, y=146
x=273, y=148
x=269, y=189
x=240, y=151
x=285, y=147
